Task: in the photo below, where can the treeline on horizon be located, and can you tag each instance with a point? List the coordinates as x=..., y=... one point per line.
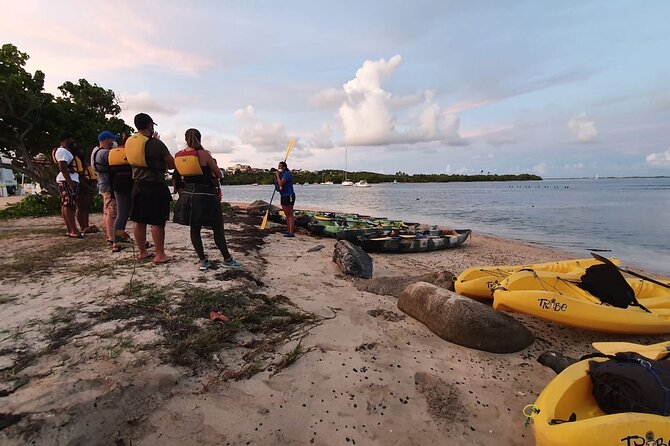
x=337, y=176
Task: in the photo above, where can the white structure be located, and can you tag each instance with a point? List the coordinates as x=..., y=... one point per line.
x=346, y=182
x=7, y=180
x=362, y=183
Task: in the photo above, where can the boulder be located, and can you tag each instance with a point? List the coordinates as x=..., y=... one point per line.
x=393, y=286
x=259, y=207
x=462, y=320
x=352, y=259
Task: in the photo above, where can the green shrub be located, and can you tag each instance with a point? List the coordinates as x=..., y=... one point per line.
x=32, y=206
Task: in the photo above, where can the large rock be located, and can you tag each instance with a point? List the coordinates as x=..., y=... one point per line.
x=352, y=259
x=462, y=320
x=259, y=207
x=393, y=286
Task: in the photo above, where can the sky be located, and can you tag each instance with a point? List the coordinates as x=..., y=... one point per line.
x=559, y=89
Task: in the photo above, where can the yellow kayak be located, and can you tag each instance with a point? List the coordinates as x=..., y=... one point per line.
x=654, y=351
x=571, y=393
x=558, y=298
x=479, y=282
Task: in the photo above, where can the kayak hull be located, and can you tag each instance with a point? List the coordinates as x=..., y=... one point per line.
x=414, y=243
x=571, y=393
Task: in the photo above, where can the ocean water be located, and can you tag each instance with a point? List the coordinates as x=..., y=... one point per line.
x=624, y=217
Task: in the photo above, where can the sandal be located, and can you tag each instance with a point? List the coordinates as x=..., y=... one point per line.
x=118, y=248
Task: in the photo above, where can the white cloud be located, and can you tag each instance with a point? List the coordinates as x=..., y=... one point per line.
x=373, y=116
x=265, y=136
x=219, y=144
x=583, y=128
x=577, y=166
x=143, y=102
x=329, y=98
x=539, y=169
x=322, y=138
x=661, y=159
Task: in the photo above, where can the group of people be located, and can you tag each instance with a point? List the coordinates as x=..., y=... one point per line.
x=131, y=180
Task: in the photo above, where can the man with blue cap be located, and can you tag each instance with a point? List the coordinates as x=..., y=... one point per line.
x=100, y=162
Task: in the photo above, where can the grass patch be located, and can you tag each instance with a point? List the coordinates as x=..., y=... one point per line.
x=30, y=232
x=48, y=257
x=41, y=206
x=191, y=339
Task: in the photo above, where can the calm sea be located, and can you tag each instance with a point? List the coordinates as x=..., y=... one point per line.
x=624, y=217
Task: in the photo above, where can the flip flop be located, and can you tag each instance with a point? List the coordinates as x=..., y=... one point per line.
x=80, y=235
x=118, y=249
x=148, y=245
x=145, y=258
x=170, y=259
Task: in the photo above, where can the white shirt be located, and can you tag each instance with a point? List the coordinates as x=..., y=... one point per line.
x=63, y=154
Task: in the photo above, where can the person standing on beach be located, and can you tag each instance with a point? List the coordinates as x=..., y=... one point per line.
x=87, y=187
x=150, y=199
x=196, y=179
x=284, y=185
x=100, y=162
x=122, y=185
x=68, y=183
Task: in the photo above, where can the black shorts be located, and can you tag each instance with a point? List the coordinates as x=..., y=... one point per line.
x=288, y=200
x=150, y=202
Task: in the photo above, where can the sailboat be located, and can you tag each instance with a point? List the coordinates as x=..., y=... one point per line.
x=346, y=181
x=596, y=177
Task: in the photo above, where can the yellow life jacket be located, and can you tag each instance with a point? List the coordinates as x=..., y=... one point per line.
x=135, y=150
x=90, y=173
x=117, y=157
x=187, y=163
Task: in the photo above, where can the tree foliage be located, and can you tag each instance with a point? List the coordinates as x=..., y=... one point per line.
x=31, y=119
x=336, y=176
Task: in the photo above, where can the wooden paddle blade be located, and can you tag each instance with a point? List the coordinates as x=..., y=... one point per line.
x=654, y=351
x=291, y=143
x=264, y=223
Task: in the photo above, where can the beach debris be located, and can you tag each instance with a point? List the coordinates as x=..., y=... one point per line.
x=387, y=315
x=555, y=361
x=316, y=248
x=393, y=286
x=218, y=316
x=352, y=260
x=463, y=321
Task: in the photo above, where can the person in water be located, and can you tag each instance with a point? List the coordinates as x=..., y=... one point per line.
x=284, y=185
x=196, y=180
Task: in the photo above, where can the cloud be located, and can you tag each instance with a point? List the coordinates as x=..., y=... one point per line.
x=372, y=116
x=143, y=102
x=219, y=144
x=659, y=159
x=322, y=138
x=265, y=136
x=583, y=128
x=661, y=101
x=329, y=98
x=539, y=169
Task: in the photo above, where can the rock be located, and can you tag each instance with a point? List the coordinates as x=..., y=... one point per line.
x=316, y=248
x=352, y=259
x=555, y=361
x=462, y=320
x=259, y=207
x=393, y=286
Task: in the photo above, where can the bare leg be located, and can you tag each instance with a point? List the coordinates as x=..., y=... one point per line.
x=140, y=233
x=68, y=215
x=290, y=218
x=158, y=236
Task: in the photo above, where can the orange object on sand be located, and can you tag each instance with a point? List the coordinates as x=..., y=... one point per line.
x=216, y=316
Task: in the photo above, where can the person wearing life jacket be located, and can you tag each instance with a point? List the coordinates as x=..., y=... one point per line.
x=87, y=188
x=100, y=163
x=122, y=185
x=68, y=183
x=150, y=199
x=196, y=180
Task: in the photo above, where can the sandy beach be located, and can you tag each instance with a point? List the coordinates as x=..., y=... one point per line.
x=87, y=359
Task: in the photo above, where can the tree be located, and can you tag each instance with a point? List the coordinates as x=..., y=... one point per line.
x=31, y=119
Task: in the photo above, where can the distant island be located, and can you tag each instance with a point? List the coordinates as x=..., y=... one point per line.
x=337, y=176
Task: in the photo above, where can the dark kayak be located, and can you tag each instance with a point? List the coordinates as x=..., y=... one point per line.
x=419, y=242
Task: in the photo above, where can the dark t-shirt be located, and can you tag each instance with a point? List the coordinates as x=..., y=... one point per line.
x=154, y=152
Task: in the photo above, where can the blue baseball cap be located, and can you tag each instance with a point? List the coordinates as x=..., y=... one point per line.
x=106, y=135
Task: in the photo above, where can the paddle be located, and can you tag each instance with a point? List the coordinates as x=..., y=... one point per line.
x=632, y=273
x=264, y=223
x=654, y=351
